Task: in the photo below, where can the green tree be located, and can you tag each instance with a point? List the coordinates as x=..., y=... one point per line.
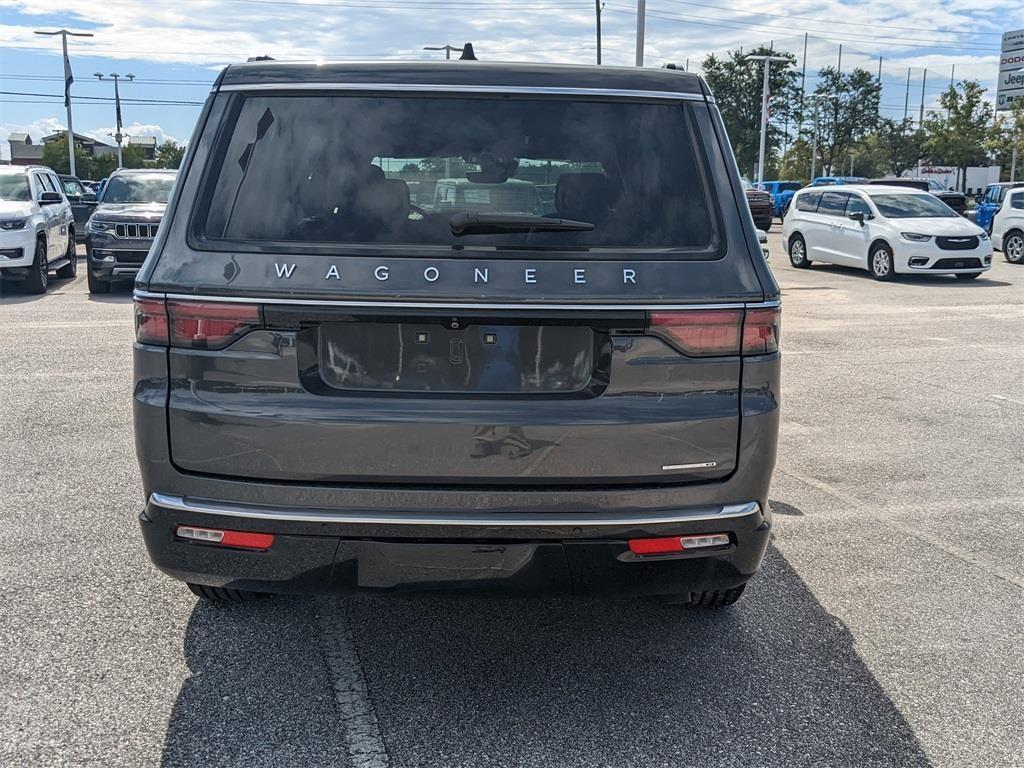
x=169, y=155
x=1007, y=132
x=957, y=134
x=796, y=161
x=847, y=112
x=737, y=83
x=895, y=146
x=55, y=155
x=133, y=156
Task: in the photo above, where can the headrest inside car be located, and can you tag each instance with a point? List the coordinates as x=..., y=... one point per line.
x=584, y=196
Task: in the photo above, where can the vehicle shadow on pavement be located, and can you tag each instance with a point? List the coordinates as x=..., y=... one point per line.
x=774, y=681
x=259, y=693
x=923, y=280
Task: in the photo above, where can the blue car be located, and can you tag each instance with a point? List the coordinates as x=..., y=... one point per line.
x=990, y=202
x=781, y=192
x=825, y=181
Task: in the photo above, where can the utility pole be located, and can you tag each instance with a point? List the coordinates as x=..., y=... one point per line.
x=920, y=116
x=816, y=97
x=765, y=96
x=118, y=136
x=446, y=48
x=641, y=18
x=952, y=74
x=803, y=88
x=598, y=7
x=68, y=80
x=879, y=86
x=906, y=99
x=839, y=67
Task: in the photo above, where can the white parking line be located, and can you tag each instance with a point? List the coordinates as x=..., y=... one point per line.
x=358, y=720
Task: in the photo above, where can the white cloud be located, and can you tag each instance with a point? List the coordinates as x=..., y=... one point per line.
x=135, y=129
x=36, y=129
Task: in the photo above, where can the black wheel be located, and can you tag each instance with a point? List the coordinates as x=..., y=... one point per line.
x=767, y=226
x=97, y=284
x=968, y=275
x=1013, y=247
x=719, y=598
x=71, y=268
x=39, y=275
x=798, y=252
x=880, y=263
x=223, y=594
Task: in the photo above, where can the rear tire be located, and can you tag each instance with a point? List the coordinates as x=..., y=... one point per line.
x=798, y=252
x=968, y=275
x=71, y=268
x=39, y=275
x=719, y=598
x=97, y=285
x=1013, y=247
x=223, y=594
x=880, y=263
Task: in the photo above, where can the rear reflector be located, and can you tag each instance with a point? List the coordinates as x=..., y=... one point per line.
x=670, y=544
x=718, y=332
x=233, y=539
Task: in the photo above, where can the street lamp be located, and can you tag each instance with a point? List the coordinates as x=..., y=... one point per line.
x=68, y=80
x=764, y=108
x=816, y=97
x=118, y=136
x=446, y=48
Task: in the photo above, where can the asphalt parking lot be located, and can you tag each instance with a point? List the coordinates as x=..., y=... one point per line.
x=885, y=629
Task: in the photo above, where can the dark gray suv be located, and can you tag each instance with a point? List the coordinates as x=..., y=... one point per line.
x=508, y=391
x=120, y=231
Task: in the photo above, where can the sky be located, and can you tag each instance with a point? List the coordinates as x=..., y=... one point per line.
x=175, y=49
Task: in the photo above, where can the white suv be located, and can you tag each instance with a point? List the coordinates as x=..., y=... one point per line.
x=885, y=230
x=37, y=228
x=1008, y=227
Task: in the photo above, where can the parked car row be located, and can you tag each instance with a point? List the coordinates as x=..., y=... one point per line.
x=43, y=215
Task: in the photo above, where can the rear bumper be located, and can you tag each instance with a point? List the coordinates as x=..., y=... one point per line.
x=320, y=550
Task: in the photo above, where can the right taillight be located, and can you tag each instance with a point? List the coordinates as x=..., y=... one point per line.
x=193, y=324
x=761, y=328
x=718, y=332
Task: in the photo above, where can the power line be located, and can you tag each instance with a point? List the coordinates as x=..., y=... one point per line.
x=103, y=98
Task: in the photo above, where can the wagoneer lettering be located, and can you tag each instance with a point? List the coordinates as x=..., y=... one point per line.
x=408, y=335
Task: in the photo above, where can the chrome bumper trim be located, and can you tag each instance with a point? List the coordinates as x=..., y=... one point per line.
x=503, y=519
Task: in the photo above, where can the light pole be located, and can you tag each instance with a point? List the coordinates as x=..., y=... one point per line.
x=816, y=97
x=68, y=80
x=598, y=7
x=118, y=136
x=641, y=19
x=765, y=94
x=446, y=48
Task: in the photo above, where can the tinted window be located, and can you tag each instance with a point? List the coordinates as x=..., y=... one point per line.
x=342, y=169
x=45, y=185
x=833, y=203
x=72, y=187
x=14, y=186
x=808, y=201
x=912, y=207
x=1017, y=201
x=856, y=204
x=138, y=188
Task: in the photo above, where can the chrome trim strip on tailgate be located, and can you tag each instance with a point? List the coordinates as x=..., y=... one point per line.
x=444, y=306
x=529, y=90
x=500, y=519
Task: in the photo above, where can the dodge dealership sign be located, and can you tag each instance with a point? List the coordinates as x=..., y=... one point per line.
x=1011, y=69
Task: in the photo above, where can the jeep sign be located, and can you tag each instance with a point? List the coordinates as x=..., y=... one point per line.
x=1011, y=69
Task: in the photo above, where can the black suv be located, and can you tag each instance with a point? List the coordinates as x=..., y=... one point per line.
x=120, y=231
x=336, y=388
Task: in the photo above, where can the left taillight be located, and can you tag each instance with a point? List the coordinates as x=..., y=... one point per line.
x=193, y=324
x=151, y=321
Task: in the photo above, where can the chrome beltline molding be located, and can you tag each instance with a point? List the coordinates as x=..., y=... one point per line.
x=498, y=519
x=454, y=88
x=443, y=305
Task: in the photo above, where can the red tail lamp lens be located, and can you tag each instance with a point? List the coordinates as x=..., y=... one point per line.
x=761, y=331
x=700, y=332
x=225, y=538
x=207, y=325
x=151, y=321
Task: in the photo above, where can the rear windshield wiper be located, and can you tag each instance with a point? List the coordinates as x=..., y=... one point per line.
x=496, y=223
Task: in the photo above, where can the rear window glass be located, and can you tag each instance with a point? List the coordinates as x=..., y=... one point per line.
x=338, y=170
x=808, y=202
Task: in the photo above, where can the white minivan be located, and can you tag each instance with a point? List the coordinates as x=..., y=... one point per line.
x=885, y=230
x=1008, y=227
